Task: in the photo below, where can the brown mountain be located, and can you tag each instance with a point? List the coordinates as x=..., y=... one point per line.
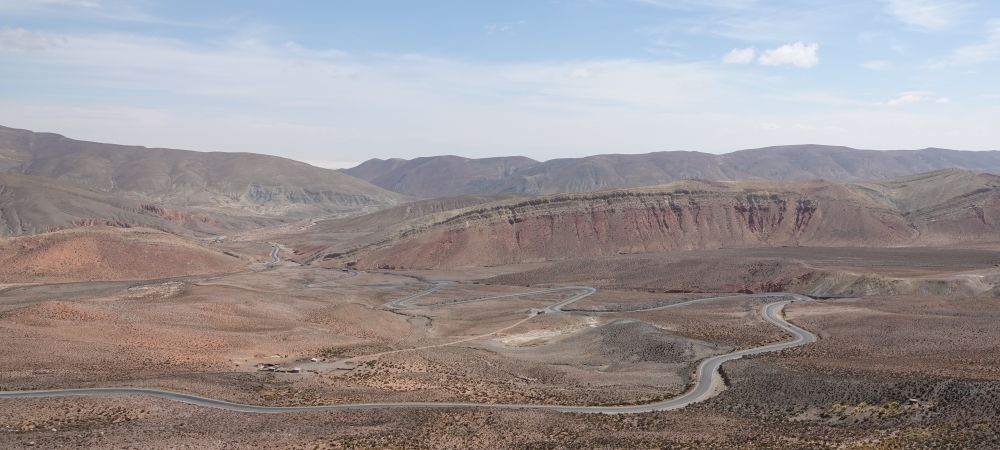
x=944, y=207
x=450, y=175
x=104, y=253
x=441, y=176
x=338, y=234
x=30, y=205
x=238, y=183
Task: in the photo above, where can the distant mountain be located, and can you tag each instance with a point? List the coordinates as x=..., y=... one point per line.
x=31, y=205
x=441, y=176
x=236, y=183
x=938, y=208
x=452, y=176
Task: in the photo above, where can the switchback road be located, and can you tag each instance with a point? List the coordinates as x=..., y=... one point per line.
x=706, y=381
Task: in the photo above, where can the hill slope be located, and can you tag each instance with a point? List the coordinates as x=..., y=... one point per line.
x=798, y=162
x=107, y=254
x=440, y=176
x=235, y=182
x=30, y=205
x=691, y=215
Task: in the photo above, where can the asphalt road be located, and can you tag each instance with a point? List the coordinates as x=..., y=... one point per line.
x=344, y=276
x=705, y=384
x=274, y=256
x=404, y=302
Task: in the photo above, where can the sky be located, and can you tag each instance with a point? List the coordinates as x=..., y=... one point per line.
x=336, y=82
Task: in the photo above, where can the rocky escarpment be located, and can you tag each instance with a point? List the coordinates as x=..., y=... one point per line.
x=939, y=208
x=683, y=216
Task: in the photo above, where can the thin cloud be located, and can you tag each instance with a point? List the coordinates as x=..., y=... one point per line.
x=983, y=52
x=693, y=4
x=502, y=28
x=740, y=56
x=798, y=54
x=21, y=39
x=914, y=97
x=928, y=14
x=877, y=64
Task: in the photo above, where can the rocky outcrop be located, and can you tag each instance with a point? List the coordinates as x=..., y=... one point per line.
x=689, y=216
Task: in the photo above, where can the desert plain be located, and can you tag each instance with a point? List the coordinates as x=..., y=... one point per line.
x=907, y=352
x=329, y=312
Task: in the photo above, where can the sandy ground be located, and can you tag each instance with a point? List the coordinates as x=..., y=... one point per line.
x=208, y=335
x=106, y=254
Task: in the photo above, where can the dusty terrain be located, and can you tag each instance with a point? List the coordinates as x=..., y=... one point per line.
x=613, y=298
x=107, y=254
x=889, y=371
x=818, y=271
x=902, y=387
x=206, y=335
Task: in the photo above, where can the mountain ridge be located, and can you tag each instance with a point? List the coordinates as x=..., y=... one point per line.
x=611, y=171
x=50, y=182
x=248, y=182
x=939, y=208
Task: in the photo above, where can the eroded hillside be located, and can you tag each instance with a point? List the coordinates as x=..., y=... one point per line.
x=695, y=215
x=234, y=183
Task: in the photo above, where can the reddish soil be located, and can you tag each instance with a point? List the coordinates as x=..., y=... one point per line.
x=105, y=254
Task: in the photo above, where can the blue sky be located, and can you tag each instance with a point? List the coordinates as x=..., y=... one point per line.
x=338, y=82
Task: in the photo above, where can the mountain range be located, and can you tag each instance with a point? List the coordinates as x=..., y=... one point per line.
x=946, y=207
x=48, y=181
x=439, y=176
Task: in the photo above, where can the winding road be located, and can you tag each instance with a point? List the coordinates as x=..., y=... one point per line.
x=706, y=381
x=274, y=256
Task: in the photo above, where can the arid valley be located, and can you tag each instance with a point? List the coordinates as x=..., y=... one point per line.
x=279, y=305
x=508, y=224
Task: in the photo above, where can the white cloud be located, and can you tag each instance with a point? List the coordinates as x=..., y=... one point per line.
x=797, y=54
x=878, y=64
x=250, y=95
x=328, y=106
x=34, y=6
x=928, y=14
x=907, y=98
x=913, y=97
x=76, y=11
x=501, y=28
x=986, y=51
x=740, y=56
x=26, y=40
x=771, y=22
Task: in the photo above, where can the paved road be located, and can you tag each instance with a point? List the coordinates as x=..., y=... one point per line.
x=343, y=276
x=274, y=256
x=404, y=302
x=705, y=385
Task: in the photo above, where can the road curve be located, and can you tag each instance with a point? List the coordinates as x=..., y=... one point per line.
x=274, y=256
x=705, y=383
